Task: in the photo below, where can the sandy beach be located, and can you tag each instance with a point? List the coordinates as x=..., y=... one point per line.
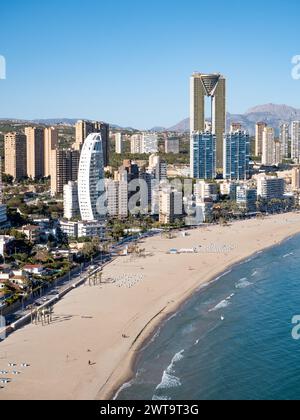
x=88, y=351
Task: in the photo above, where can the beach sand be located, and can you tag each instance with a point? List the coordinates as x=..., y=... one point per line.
x=106, y=325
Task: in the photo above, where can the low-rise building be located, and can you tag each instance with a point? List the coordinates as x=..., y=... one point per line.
x=31, y=232
x=206, y=190
x=269, y=188
x=91, y=230
x=35, y=269
x=246, y=198
x=18, y=278
x=68, y=228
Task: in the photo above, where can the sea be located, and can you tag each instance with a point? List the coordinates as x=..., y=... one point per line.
x=233, y=340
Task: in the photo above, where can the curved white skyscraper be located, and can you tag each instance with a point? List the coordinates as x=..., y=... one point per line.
x=91, y=171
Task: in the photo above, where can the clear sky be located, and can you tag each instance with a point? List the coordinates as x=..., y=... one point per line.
x=128, y=62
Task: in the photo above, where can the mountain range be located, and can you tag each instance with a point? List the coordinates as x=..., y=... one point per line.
x=272, y=114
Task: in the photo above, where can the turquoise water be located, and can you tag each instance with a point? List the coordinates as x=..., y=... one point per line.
x=232, y=340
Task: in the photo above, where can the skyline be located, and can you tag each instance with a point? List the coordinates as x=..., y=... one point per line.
x=149, y=52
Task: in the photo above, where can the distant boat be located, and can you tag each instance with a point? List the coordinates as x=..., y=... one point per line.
x=222, y=318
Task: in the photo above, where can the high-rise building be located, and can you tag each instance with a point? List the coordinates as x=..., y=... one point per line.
x=284, y=139
x=15, y=151
x=90, y=175
x=103, y=129
x=172, y=145
x=64, y=168
x=259, y=130
x=119, y=143
x=236, y=155
x=71, y=203
x=203, y=161
x=136, y=144
x=296, y=179
x=85, y=128
x=35, y=152
x=3, y=207
x=51, y=143
x=278, y=156
x=295, y=133
x=149, y=143
x=117, y=197
x=214, y=87
x=268, y=147
x=170, y=205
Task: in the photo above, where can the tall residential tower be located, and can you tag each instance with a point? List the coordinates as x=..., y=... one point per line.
x=91, y=172
x=15, y=155
x=211, y=86
x=35, y=152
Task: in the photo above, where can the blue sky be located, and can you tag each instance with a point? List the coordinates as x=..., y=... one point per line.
x=128, y=62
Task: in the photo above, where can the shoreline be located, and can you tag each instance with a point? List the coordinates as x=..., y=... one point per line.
x=146, y=335
x=111, y=324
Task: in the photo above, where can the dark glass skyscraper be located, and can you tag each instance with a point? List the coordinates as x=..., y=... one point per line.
x=236, y=155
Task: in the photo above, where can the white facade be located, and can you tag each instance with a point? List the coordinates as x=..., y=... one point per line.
x=4, y=241
x=270, y=188
x=90, y=175
x=91, y=230
x=70, y=229
x=117, y=198
x=149, y=143
x=71, y=203
x=136, y=144
x=296, y=179
x=205, y=190
x=119, y=143
x=268, y=147
x=158, y=168
x=296, y=141
x=284, y=139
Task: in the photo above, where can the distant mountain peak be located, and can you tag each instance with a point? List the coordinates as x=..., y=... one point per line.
x=274, y=115
x=282, y=111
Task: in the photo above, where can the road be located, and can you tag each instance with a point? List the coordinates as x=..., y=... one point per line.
x=58, y=287
x=64, y=283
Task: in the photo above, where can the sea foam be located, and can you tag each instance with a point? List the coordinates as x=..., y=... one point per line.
x=169, y=380
x=243, y=284
x=223, y=304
